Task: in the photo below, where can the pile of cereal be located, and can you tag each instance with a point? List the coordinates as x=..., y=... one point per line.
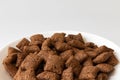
x=59, y=57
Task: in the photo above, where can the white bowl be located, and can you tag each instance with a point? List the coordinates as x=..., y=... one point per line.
x=87, y=37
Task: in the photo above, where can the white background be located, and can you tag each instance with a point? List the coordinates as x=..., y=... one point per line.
x=19, y=18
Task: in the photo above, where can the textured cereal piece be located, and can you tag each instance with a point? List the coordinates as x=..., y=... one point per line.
x=45, y=54
x=66, y=54
x=76, y=43
x=76, y=70
x=74, y=37
x=103, y=49
x=9, y=66
x=67, y=74
x=31, y=61
x=105, y=67
x=47, y=44
x=72, y=62
x=28, y=67
x=12, y=50
x=112, y=60
x=91, y=45
x=81, y=56
x=10, y=61
x=91, y=52
x=20, y=58
x=48, y=76
x=37, y=39
x=54, y=64
x=58, y=37
x=88, y=72
x=102, y=57
x=88, y=62
x=24, y=74
x=22, y=43
x=31, y=49
x=62, y=46
x=102, y=76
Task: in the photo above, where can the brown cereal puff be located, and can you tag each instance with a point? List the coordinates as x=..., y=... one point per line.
x=112, y=60
x=74, y=37
x=22, y=43
x=27, y=69
x=105, y=67
x=31, y=49
x=37, y=39
x=102, y=76
x=45, y=54
x=81, y=56
x=24, y=74
x=20, y=58
x=88, y=62
x=91, y=45
x=67, y=74
x=102, y=57
x=88, y=72
x=91, y=52
x=12, y=50
x=48, y=76
x=72, y=62
x=9, y=64
x=66, y=54
x=58, y=37
x=62, y=46
x=103, y=49
x=76, y=43
x=54, y=64
x=47, y=44
x=31, y=61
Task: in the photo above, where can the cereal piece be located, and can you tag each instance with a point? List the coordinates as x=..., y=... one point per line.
x=91, y=45
x=105, y=67
x=72, y=62
x=81, y=56
x=24, y=74
x=45, y=54
x=28, y=67
x=112, y=60
x=102, y=76
x=9, y=64
x=67, y=74
x=88, y=72
x=91, y=52
x=31, y=49
x=76, y=43
x=62, y=46
x=74, y=37
x=58, y=37
x=48, y=76
x=88, y=62
x=54, y=64
x=103, y=49
x=12, y=50
x=66, y=54
x=102, y=57
x=37, y=39
x=46, y=45
x=20, y=58
x=22, y=43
